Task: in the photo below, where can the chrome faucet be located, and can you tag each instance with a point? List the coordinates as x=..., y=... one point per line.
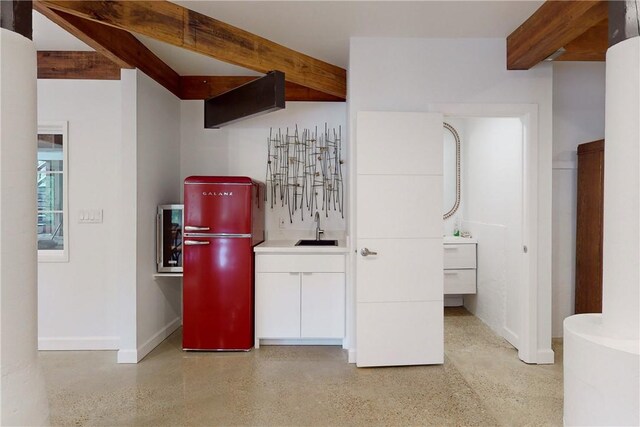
x=317, y=221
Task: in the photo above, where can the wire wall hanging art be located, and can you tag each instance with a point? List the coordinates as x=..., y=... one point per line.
x=304, y=171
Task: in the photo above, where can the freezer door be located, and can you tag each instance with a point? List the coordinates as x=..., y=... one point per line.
x=214, y=208
x=218, y=294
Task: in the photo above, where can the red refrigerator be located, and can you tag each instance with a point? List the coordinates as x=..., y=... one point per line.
x=223, y=221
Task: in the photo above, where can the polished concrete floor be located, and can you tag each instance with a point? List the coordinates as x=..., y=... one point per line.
x=482, y=382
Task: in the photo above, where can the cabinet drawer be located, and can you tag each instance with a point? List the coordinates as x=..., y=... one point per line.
x=459, y=256
x=460, y=281
x=267, y=263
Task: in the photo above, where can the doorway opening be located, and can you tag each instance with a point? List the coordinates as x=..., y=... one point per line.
x=529, y=317
x=483, y=220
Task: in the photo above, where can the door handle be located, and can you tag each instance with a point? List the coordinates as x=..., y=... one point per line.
x=367, y=252
x=194, y=228
x=195, y=242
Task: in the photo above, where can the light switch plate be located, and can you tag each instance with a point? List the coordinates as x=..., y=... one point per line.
x=90, y=216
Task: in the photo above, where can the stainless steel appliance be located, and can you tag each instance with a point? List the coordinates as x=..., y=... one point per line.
x=169, y=222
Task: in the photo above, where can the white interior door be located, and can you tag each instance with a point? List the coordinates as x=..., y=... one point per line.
x=399, y=284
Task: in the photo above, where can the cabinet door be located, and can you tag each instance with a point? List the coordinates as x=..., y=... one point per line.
x=323, y=297
x=278, y=305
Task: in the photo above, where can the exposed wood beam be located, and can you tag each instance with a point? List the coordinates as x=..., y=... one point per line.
x=15, y=15
x=257, y=97
x=551, y=27
x=203, y=87
x=117, y=45
x=76, y=65
x=182, y=27
x=95, y=66
x=590, y=46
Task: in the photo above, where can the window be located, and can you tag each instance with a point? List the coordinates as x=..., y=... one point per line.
x=52, y=173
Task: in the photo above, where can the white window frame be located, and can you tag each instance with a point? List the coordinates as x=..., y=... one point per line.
x=59, y=128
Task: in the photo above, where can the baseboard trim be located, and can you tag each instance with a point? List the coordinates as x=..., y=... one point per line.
x=78, y=343
x=301, y=341
x=546, y=357
x=158, y=337
x=352, y=356
x=127, y=356
x=510, y=336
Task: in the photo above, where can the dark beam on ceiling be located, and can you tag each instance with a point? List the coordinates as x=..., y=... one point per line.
x=203, y=87
x=15, y=15
x=76, y=65
x=623, y=20
x=257, y=97
x=551, y=28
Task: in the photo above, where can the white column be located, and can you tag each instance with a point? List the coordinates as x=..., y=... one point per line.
x=621, y=249
x=602, y=351
x=24, y=401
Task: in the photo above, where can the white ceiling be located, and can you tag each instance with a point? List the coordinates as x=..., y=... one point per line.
x=322, y=28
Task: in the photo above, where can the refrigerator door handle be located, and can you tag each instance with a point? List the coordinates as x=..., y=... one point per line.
x=194, y=228
x=195, y=242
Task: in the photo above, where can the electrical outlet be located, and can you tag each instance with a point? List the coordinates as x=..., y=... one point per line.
x=281, y=222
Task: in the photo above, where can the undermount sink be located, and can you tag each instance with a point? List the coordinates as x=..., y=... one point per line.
x=312, y=242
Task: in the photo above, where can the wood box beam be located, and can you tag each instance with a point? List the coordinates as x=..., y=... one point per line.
x=550, y=28
x=117, y=45
x=203, y=87
x=185, y=28
x=590, y=46
x=259, y=96
x=76, y=65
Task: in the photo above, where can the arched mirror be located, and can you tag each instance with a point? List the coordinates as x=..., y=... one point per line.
x=451, y=171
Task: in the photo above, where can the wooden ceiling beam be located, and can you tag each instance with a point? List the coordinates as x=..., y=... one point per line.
x=115, y=44
x=204, y=87
x=185, y=28
x=552, y=27
x=95, y=66
x=76, y=65
x=590, y=46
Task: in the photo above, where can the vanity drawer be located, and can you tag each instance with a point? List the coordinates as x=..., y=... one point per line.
x=460, y=281
x=459, y=256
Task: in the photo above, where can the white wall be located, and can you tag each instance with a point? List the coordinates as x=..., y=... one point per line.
x=126, y=252
x=493, y=214
x=150, y=309
x=396, y=74
x=241, y=149
x=159, y=302
x=77, y=300
x=578, y=117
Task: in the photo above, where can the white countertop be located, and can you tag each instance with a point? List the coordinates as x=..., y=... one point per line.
x=458, y=240
x=288, y=246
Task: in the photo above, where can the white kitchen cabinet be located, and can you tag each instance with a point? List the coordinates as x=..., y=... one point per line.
x=278, y=305
x=322, y=305
x=305, y=302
